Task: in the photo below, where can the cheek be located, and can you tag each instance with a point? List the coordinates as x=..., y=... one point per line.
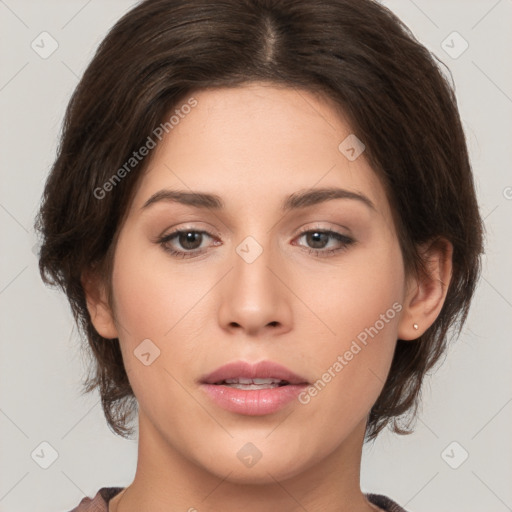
x=359, y=306
x=149, y=305
x=150, y=298
x=160, y=302
x=349, y=297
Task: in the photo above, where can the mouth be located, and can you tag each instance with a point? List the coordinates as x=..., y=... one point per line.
x=252, y=389
x=244, y=375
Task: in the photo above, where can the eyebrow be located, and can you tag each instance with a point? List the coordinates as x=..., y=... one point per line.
x=297, y=200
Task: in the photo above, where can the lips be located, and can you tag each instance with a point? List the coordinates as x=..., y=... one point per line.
x=264, y=373
x=253, y=389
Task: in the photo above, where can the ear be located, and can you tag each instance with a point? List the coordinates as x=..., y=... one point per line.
x=426, y=293
x=97, y=304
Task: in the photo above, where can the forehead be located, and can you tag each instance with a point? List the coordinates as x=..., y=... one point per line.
x=257, y=141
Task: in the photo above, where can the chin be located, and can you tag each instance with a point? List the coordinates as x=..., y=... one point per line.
x=249, y=466
x=261, y=474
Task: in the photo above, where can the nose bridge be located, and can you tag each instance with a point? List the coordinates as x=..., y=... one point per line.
x=253, y=297
x=252, y=279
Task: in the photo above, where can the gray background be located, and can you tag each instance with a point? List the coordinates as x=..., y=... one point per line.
x=467, y=401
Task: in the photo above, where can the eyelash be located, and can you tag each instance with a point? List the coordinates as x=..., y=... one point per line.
x=321, y=253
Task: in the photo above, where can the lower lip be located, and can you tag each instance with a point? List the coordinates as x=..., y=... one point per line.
x=253, y=402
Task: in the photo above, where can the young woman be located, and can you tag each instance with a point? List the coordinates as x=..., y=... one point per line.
x=264, y=217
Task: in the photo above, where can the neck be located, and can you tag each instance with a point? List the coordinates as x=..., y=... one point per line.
x=165, y=478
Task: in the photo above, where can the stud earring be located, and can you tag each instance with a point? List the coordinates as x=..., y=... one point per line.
x=415, y=326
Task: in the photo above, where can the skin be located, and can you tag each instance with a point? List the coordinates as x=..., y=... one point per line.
x=253, y=146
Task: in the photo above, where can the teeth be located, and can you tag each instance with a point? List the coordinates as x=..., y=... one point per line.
x=266, y=381
x=247, y=384
x=243, y=380
x=252, y=386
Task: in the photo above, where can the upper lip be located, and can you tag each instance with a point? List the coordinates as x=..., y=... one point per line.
x=260, y=370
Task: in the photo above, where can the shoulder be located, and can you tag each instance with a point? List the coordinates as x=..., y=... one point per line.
x=384, y=503
x=100, y=501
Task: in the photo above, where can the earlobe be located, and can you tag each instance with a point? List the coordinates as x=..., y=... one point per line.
x=426, y=292
x=97, y=304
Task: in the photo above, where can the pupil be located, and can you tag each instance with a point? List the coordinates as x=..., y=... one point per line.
x=315, y=236
x=188, y=239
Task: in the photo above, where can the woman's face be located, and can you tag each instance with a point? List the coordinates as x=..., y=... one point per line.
x=254, y=281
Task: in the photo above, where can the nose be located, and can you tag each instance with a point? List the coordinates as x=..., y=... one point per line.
x=254, y=295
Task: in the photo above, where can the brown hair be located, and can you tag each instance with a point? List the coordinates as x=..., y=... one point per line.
x=355, y=52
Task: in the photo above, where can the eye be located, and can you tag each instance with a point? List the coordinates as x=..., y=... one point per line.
x=319, y=239
x=188, y=239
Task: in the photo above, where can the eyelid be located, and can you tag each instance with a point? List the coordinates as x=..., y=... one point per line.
x=210, y=230
x=329, y=226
